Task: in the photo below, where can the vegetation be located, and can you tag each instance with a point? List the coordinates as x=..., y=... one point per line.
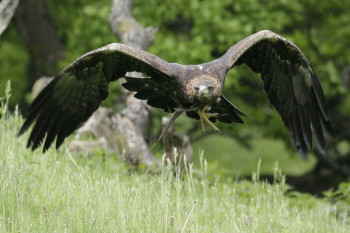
x=64, y=192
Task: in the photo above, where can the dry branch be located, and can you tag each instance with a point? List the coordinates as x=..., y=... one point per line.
x=7, y=10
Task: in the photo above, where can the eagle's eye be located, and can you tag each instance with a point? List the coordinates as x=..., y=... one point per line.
x=210, y=88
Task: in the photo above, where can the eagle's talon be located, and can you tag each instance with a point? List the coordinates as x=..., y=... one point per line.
x=204, y=118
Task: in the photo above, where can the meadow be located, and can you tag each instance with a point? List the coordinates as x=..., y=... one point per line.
x=64, y=192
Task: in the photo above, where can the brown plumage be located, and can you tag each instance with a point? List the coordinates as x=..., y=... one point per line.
x=290, y=83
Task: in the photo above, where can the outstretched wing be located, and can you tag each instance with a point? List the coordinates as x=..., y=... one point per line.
x=77, y=91
x=290, y=83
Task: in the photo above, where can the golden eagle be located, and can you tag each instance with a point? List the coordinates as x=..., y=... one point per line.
x=291, y=86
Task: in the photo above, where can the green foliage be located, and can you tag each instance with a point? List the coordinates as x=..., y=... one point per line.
x=4, y=111
x=13, y=63
x=82, y=25
x=64, y=192
x=340, y=198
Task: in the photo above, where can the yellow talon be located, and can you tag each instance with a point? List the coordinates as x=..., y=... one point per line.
x=204, y=118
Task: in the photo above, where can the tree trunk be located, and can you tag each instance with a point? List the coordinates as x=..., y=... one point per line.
x=34, y=25
x=131, y=121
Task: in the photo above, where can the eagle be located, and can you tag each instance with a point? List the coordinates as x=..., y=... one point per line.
x=290, y=83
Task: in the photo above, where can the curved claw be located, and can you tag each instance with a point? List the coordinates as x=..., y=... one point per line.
x=204, y=118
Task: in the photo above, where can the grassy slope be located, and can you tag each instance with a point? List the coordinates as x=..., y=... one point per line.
x=232, y=158
x=63, y=192
x=228, y=158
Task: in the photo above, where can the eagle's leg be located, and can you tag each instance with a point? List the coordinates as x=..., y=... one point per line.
x=204, y=118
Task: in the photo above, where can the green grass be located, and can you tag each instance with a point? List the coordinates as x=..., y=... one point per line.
x=230, y=158
x=63, y=192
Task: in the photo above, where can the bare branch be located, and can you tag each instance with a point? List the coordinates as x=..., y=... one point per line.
x=35, y=27
x=7, y=10
x=125, y=26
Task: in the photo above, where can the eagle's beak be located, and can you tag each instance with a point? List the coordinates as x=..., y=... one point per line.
x=202, y=91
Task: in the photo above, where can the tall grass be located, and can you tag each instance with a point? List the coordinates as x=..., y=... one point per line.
x=63, y=192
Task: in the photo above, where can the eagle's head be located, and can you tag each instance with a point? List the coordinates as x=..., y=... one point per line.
x=204, y=90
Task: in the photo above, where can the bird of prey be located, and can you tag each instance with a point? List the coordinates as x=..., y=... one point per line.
x=290, y=83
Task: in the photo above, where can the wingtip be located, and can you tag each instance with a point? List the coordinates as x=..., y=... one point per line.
x=155, y=146
x=45, y=149
x=327, y=124
x=24, y=127
x=302, y=152
x=21, y=132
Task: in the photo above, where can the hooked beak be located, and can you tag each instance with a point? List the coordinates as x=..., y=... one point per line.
x=201, y=91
